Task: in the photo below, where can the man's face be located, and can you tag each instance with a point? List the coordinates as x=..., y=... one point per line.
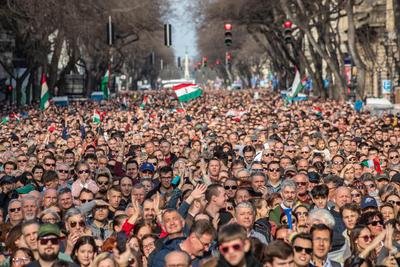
x=214, y=167
x=320, y=201
x=165, y=148
x=92, y=164
x=22, y=162
x=49, y=164
x=234, y=251
x=173, y=222
x=126, y=186
x=289, y=196
x=200, y=244
x=249, y=156
x=342, y=196
x=69, y=158
x=350, y=218
x=166, y=179
x=148, y=210
x=63, y=173
x=65, y=201
x=257, y=182
x=100, y=213
x=29, y=209
x=138, y=194
x=86, y=197
x=273, y=172
x=242, y=195
x=48, y=247
x=321, y=243
x=15, y=211
x=75, y=224
x=277, y=262
x=50, y=198
x=302, y=184
x=114, y=198
x=220, y=200
x=30, y=235
x=8, y=169
x=302, y=249
x=37, y=175
x=176, y=260
x=103, y=183
x=245, y=217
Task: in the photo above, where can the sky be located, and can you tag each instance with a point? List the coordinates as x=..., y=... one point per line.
x=183, y=28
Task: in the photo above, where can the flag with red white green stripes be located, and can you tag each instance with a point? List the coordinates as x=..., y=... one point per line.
x=186, y=91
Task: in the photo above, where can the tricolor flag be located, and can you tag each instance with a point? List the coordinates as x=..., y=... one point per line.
x=97, y=117
x=104, y=84
x=373, y=163
x=144, y=102
x=44, y=96
x=5, y=120
x=186, y=91
x=297, y=85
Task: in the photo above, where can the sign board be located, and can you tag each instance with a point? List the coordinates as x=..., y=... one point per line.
x=386, y=86
x=60, y=101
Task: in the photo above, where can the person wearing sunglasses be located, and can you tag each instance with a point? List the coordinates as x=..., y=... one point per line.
x=48, y=244
x=302, y=249
x=234, y=247
x=84, y=180
x=231, y=187
x=374, y=222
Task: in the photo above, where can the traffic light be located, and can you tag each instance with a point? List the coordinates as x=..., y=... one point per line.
x=228, y=58
x=287, y=31
x=228, y=34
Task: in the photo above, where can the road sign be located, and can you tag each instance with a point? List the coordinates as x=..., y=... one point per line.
x=386, y=86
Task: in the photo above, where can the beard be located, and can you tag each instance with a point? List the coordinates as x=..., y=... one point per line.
x=48, y=257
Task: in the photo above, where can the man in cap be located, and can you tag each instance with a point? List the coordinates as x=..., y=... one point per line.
x=368, y=204
x=146, y=170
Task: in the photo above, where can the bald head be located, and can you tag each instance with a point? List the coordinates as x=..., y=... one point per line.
x=177, y=258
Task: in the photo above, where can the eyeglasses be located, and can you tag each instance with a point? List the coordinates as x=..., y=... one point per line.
x=299, y=249
x=304, y=152
x=338, y=162
x=304, y=213
x=15, y=209
x=273, y=170
x=290, y=151
x=63, y=171
x=52, y=240
x=355, y=195
x=233, y=187
x=83, y=171
x=21, y=260
x=394, y=157
x=375, y=223
x=102, y=182
x=234, y=247
x=86, y=200
x=394, y=202
x=50, y=164
x=74, y=224
x=270, y=154
x=366, y=238
x=301, y=183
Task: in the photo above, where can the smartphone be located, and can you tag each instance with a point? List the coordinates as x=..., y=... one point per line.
x=121, y=241
x=176, y=181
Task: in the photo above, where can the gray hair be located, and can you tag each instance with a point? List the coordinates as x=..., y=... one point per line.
x=257, y=173
x=72, y=212
x=321, y=216
x=30, y=198
x=13, y=201
x=51, y=212
x=176, y=253
x=288, y=183
x=244, y=204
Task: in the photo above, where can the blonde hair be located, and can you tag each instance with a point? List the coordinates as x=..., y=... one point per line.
x=101, y=257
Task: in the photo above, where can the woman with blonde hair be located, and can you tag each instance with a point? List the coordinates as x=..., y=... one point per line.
x=348, y=174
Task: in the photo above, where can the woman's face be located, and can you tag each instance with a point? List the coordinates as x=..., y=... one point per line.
x=349, y=174
x=134, y=244
x=49, y=218
x=388, y=213
x=148, y=246
x=263, y=211
x=302, y=215
x=20, y=259
x=375, y=225
x=364, y=239
x=85, y=254
x=106, y=263
x=356, y=196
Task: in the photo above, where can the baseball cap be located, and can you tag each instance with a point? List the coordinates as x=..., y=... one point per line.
x=313, y=177
x=147, y=166
x=368, y=202
x=382, y=177
x=48, y=229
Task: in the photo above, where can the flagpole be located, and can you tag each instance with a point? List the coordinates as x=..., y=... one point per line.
x=183, y=107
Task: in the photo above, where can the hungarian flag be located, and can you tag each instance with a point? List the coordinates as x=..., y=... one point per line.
x=144, y=102
x=4, y=120
x=16, y=116
x=187, y=91
x=104, y=84
x=97, y=116
x=44, y=96
x=373, y=163
x=297, y=85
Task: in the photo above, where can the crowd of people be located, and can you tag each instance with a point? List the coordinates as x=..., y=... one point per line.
x=228, y=179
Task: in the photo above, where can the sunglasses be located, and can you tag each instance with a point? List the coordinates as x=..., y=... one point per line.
x=270, y=154
x=52, y=240
x=394, y=202
x=50, y=164
x=304, y=152
x=233, y=187
x=366, y=238
x=299, y=249
x=63, y=171
x=394, y=157
x=301, y=183
x=102, y=182
x=234, y=247
x=290, y=151
x=74, y=224
x=355, y=195
x=23, y=160
x=273, y=170
x=15, y=209
x=83, y=171
x=375, y=223
x=85, y=200
x=338, y=162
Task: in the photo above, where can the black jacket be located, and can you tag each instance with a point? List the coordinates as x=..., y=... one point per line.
x=250, y=261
